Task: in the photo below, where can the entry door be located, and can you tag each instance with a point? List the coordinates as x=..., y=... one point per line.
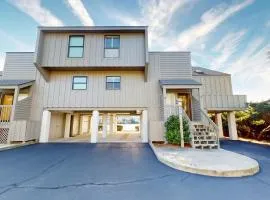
x=184, y=101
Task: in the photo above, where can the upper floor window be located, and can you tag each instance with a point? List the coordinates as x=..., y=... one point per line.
x=112, y=46
x=113, y=82
x=75, y=46
x=79, y=83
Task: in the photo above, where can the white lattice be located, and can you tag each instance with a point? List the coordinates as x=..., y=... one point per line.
x=4, y=135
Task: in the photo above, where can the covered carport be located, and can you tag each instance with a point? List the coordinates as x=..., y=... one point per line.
x=126, y=125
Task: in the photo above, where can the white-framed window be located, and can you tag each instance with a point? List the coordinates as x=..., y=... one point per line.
x=113, y=82
x=79, y=83
x=111, y=46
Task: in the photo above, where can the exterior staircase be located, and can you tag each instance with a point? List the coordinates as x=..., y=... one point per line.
x=204, y=133
x=204, y=137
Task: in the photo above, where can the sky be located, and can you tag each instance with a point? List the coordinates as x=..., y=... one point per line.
x=231, y=36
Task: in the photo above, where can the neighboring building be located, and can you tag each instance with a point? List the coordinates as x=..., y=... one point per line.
x=79, y=75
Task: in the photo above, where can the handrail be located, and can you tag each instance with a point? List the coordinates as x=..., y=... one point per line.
x=210, y=123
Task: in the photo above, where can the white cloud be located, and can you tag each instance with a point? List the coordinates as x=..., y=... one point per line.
x=209, y=21
x=252, y=71
x=39, y=13
x=252, y=54
x=227, y=46
x=15, y=45
x=80, y=11
x=155, y=14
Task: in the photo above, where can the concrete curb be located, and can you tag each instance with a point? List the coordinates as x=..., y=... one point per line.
x=13, y=146
x=216, y=173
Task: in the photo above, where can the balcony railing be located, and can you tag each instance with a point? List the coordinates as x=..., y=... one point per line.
x=224, y=102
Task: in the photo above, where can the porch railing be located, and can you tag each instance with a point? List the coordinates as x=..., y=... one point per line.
x=5, y=117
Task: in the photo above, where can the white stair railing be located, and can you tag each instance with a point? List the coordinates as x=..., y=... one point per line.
x=212, y=126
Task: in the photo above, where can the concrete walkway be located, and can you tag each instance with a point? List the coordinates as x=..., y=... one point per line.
x=220, y=162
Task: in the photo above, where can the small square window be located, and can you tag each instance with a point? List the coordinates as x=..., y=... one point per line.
x=113, y=82
x=112, y=42
x=79, y=83
x=75, y=46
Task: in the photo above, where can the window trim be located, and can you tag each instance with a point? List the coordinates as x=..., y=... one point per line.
x=86, y=77
x=113, y=82
x=70, y=36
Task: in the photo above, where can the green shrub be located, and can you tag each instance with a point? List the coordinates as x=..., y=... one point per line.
x=172, y=134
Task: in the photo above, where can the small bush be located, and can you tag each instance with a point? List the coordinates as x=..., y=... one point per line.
x=172, y=126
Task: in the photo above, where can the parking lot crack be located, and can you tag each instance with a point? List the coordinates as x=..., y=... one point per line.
x=87, y=184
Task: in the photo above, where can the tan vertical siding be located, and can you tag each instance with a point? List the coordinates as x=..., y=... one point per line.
x=55, y=51
x=215, y=85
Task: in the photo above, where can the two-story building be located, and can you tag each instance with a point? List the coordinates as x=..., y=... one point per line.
x=81, y=81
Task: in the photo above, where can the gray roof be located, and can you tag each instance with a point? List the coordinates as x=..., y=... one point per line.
x=14, y=82
x=200, y=71
x=179, y=82
x=93, y=28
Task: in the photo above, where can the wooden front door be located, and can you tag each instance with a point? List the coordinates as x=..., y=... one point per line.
x=184, y=101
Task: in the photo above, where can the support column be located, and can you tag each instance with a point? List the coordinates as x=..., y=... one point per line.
x=164, y=93
x=111, y=124
x=104, y=127
x=67, y=126
x=218, y=121
x=94, y=126
x=232, y=126
x=45, y=127
x=144, y=126
x=76, y=124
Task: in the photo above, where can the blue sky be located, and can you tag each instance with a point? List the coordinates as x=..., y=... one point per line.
x=232, y=36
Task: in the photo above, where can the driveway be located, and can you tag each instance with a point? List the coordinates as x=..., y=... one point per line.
x=119, y=171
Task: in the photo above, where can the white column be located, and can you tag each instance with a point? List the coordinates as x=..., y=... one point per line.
x=111, y=124
x=45, y=127
x=232, y=126
x=67, y=126
x=94, y=126
x=76, y=124
x=144, y=126
x=218, y=121
x=104, y=127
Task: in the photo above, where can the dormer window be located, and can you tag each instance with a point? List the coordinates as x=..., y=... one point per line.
x=111, y=46
x=75, y=46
